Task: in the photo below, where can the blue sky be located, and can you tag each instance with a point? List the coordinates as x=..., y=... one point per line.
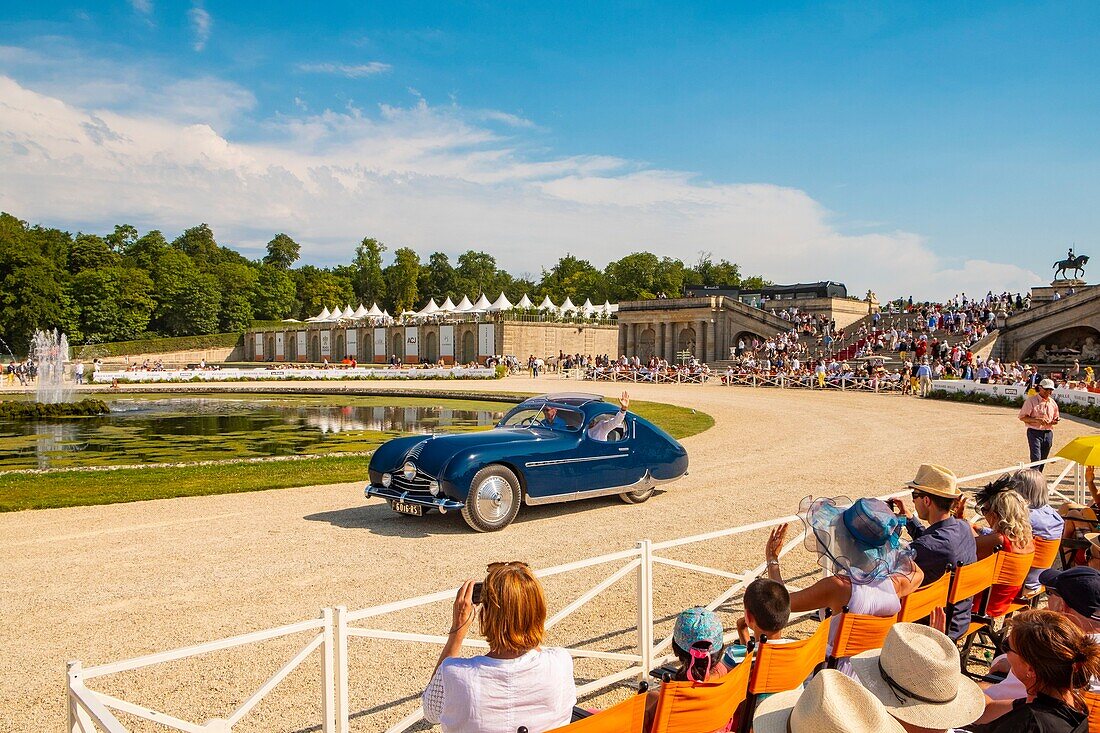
x=922, y=147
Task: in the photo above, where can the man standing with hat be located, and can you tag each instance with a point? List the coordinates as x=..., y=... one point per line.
x=946, y=540
x=1040, y=414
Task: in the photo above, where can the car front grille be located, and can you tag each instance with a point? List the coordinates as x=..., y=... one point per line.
x=418, y=485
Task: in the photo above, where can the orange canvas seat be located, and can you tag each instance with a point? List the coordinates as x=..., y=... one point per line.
x=1010, y=569
x=919, y=603
x=701, y=707
x=626, y=717
x=857, y=632
x=781, y=667
x=1092, y=701
x=1046, y=552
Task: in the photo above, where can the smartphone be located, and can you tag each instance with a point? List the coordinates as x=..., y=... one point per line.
x=477, y=593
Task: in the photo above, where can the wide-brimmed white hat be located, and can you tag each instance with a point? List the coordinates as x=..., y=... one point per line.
x=831, y=703
x=915, y=675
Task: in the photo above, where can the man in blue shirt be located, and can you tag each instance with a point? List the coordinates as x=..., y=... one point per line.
x=924, y=377
x=946, y=540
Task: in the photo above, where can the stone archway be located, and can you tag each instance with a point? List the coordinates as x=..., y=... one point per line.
x=269, y=353
x=341, y=351
x=647, y=344
x=747, y=337
x=685, y=341
x=290, y=346
x=469, y=348
x=431, y=347
x=315, y=350
x=397, y=346
x=1062, y=347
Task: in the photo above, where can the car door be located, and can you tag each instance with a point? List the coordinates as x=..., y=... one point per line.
x=610, y=463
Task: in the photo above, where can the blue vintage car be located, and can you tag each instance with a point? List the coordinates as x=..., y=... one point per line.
x=542, y=452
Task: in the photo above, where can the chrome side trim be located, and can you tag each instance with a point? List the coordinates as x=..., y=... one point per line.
x=645, y=482
x=559, y=461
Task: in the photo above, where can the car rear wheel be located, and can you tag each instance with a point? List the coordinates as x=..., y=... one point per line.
x=494, y=499
x=636, y=497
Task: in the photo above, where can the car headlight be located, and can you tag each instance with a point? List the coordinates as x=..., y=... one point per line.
x=433, y=486
x=408, y=471
x=387, y=479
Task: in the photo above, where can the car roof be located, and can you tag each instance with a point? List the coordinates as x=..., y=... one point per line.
x=575, y=399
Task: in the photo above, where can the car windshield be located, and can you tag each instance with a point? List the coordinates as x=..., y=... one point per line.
x=543, y=416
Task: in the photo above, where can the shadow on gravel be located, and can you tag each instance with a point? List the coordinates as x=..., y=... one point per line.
x=379, y=519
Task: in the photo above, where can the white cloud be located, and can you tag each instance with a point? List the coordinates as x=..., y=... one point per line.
x=145, y=7
x=201, y=22
x=432, y=178
x=351, y=71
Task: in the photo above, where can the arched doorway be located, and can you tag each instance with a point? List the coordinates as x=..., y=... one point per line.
x=364, y=346
x=270, y=354
x=1062, y=347
x=290, y=346
x=431, y=347
x=315, y=349
x=341, y=348
x=469, y=350
x=396, y=347
x=686, y=342
x=647, y=343
x=747, y=337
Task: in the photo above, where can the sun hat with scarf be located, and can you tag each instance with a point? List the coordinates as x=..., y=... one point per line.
x=860, y=540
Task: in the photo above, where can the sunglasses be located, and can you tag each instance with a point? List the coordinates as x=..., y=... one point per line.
x=919, y=494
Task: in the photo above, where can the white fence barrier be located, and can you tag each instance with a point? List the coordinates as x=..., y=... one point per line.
x=91, y=711
x=1013, y=391
x=340, y=372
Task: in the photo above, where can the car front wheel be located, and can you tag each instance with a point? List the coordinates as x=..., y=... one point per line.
x=494, y=499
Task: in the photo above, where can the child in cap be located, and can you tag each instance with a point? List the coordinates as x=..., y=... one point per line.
x=697, y=644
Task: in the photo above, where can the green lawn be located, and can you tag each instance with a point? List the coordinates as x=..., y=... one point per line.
x=83, y=488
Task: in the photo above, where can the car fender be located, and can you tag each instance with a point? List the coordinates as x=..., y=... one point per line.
x=460, y=471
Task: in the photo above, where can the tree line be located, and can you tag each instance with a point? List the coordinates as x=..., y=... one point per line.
x=127, y=285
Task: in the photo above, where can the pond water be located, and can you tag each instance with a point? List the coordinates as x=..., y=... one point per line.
x=182, y=429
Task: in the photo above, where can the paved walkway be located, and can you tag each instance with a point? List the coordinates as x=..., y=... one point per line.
x=108, y=583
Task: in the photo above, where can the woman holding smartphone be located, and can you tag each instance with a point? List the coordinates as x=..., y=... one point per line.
x=518, y=682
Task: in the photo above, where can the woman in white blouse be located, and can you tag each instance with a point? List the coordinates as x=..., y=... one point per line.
x=518, y=682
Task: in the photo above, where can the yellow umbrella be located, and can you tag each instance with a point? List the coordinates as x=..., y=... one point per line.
x=1085, y=450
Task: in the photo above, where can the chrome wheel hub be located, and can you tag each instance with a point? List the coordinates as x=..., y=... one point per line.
x=494, y=499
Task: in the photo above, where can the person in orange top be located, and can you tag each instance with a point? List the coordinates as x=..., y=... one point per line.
x=1040, y=414
x=1006, y=513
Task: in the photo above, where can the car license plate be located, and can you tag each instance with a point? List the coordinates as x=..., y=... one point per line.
x=404, y=508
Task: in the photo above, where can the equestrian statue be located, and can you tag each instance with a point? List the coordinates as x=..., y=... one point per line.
x=1072, y=262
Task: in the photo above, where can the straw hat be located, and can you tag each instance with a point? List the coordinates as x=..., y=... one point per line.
x=936, y=480
x=1080, y=512
x=831, y=703
x=916, y=676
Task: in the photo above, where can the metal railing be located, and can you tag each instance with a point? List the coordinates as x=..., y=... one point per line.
x=91, y=711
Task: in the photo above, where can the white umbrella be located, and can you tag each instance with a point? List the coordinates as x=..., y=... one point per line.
x=447, y=306
x=374, y=312
x=524, y=302
x=547, y=304
x=430, y=308
x=568, y=306
x=464, y=305
x=501, y=304
x=482, y=303
x=360, y=312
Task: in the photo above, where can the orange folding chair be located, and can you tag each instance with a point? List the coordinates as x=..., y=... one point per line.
x=1092, y=701
x=857, y=632
x=968, y=581
x=1046, y=552
x=626, y=717
x=919, y=604
x=781, y=667
x=691, y=707
x=1009, y=568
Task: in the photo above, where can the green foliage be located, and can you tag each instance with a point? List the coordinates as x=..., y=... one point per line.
x=368, y=282
x=112, y=304
x=274, y=295
x=166, y=345
x=282, y=252
x=401, y=280
x=17, y=410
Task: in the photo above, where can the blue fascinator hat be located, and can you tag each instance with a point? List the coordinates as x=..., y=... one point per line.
x=860, y=539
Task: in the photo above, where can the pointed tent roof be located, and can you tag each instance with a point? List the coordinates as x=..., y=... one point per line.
x=348, y=312
x=374, y=312
x=482, y=303
x=547, y=304
x=605, y=309
x=588, y=309
x=501, y=304
x=324, y=315
x=430, y=308
x=447, y=306
x=568, y=305
x=524, y=302
x=464, y=305
x=386, y=315
x=360, y=312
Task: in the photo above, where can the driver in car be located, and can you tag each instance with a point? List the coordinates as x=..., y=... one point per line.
x=551, y=420
x=599, y=430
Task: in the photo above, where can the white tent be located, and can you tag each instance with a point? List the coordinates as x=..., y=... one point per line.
x=605, y=309
x=547, y=305
x=464, y=305
x=360, y=312
x=291, y=320
x=430, y=308
x=500, y=304
x=567, y=306
x=374, y=312
x=386, y=315
x=482, y=303
x=348, y=312
x=588, y=309
x=324, y=315
x=524, y=302
x=448, y=306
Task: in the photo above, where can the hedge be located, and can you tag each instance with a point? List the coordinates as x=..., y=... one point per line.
x=160, y=345
x=1088, y=412
x=33, y=410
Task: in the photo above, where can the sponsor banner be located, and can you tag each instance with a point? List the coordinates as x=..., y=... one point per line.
x=259, y=342
x=303, y=347
x=447, y=344
x=351, y=339
x=1013, y=391
x=220, y=375
x=326, y=344
x=486, y=339
x=412, y=345
x=280, y=342
x=380, y=349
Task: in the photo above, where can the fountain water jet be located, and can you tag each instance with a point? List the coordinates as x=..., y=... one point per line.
x=50, y=351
